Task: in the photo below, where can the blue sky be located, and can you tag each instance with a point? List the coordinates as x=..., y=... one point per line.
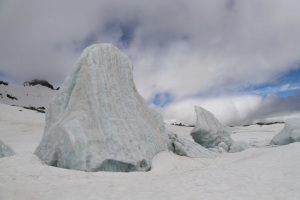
x=238, y=59
x=285, y=85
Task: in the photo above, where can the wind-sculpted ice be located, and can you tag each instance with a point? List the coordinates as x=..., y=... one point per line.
x=208, y=131
x=97, y=121
x=5, y=150
x=289, y=134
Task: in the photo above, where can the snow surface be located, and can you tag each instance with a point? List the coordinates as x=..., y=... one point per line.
x=256, y=173
x=35, y=96
x=20, y=128
x=255, y=135
x=290, y=133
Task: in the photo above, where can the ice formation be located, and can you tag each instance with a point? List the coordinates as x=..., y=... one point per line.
x=289, y=134
x=223, y=146
x=5, y=150
x=238, y=146
x=208, y=131
x=185, y=147
x=97, y=121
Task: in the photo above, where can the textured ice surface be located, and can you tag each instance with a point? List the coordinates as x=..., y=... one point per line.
x=208, y=131
x=223, y=146
x=289, y=134
x=97, y=121
x=185, y=147
x=238, y=146
x=5, y=150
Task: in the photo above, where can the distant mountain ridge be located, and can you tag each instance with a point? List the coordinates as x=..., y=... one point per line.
x=38, y=82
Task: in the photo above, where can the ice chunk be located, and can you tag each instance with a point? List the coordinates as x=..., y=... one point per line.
x=185, y=147
x=208, y=131
x=98, y=121
x=223, y=146
x=296, y=135
x=289, y=134
x=221, y=150
x=238, y=146
x=5, y=150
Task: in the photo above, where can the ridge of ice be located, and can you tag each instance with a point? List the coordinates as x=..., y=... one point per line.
x=289, y=134
x=6, y=150
x=208, y=131
x=239, y=146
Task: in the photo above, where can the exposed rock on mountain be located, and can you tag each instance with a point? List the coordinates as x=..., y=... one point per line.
x=208, y=131
x=289, y=134
x=11, y=97
x=177, y=124
x=3, y=83
x=38, y=82
x=5, y=150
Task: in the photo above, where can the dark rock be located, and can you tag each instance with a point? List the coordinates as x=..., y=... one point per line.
x=38, y=82
x=11, y=97
x=40, y=109
x=3, y=83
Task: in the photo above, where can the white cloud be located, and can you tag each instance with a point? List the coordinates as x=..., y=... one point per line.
x=236, y=110
x=181, y=47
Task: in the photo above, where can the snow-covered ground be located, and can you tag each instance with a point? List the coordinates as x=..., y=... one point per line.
x=256, y=173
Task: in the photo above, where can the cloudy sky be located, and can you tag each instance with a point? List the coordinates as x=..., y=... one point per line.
x=238, y=59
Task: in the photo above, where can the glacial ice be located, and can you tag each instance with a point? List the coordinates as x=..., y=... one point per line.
x=97, y=121
x=208, y=131
x=289, y=134
x=185, y=147
x=5, y=150
x=223, y=146
x=238, y=146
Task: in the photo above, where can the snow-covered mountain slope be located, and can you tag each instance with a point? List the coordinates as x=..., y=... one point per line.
x=26, y=95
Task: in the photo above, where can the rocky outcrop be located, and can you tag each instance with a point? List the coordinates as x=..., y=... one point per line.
x=5, y=150
x=289, y=134
x=208, y=131
x=38, y=82
x=3, y=83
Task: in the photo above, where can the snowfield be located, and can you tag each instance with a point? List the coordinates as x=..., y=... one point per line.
x=264, y=172
x=36, y=96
